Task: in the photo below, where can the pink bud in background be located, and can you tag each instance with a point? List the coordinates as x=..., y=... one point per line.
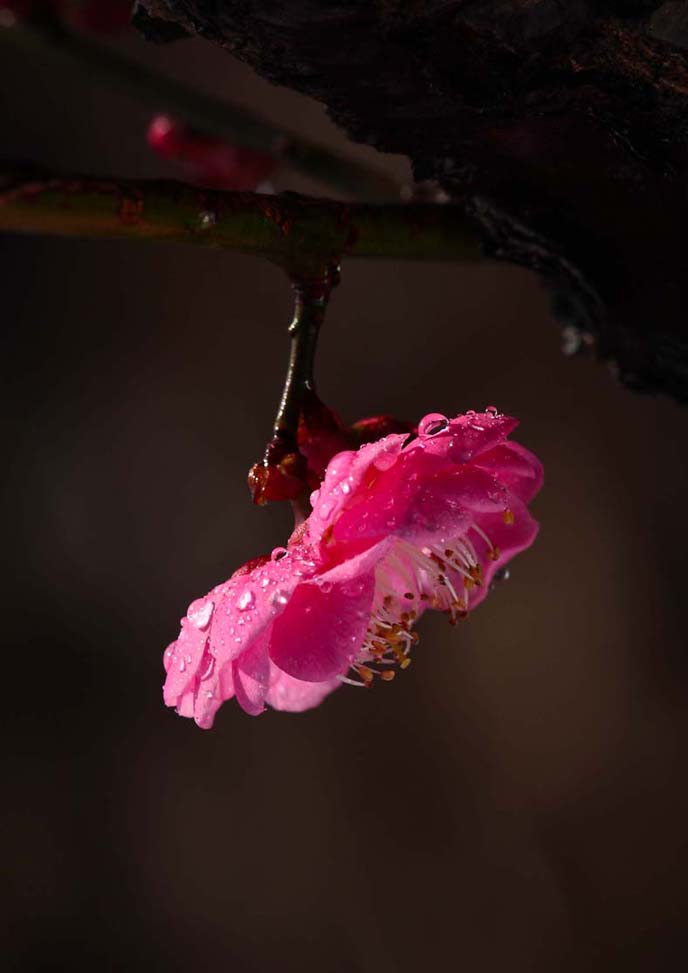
x=206, y=160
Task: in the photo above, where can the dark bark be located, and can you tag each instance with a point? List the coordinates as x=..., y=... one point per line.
x=562, y=125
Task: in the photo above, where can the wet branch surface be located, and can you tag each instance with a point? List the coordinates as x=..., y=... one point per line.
x=299, y=233
x=562, y=126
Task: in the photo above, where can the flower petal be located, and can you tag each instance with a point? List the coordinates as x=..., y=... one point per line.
x=467, y=436
x=514, y=466
x=347, y=477
x=510, y=537
x=182, y=659
x=295, y=695
x=251, y=672
x=321, y=630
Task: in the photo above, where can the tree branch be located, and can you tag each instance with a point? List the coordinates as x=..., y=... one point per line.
x=298, y=233
x=564, y=125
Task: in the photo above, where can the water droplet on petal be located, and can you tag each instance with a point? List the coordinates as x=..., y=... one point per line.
x=325, y=586
x=325, y=510
x=279, y=553
x=265, y=582
x=200, y=612
x=182, y=665
x=280, y=597
x=432, y=424
x=492, y=410
x=502, y=574
x=246, y=600
x=208, y=669
x=345, y=488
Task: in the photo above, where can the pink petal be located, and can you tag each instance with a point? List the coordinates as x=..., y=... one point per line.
x=348, y=475
x=514, y=466
x=320, y=632
x=251, y=672
x=509, y=538
x=295, y=695
x=222, y=627
x=466, y=436
x=207, y=700
x=182, y=659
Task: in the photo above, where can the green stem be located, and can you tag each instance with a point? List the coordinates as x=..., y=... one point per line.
x=311, y=297
x=52, y=44
x=298, y=233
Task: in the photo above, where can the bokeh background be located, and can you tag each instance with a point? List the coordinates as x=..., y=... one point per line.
x=517, y=800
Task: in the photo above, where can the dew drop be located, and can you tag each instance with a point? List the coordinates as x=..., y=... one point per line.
x=279, y=553
x=326, y=586
x=501, y=575
x=345, y=488
x=325, y=510
x=246, y=600
x=280, y=597
x=432, y=424
x=200, y=612
x=208, y=669
x=492, y=410
x=182, y=665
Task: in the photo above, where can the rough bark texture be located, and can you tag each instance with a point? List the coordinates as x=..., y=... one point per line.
x=562, y=125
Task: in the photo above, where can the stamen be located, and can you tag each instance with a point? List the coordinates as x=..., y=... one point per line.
x=351, y=682
x=492, y=550
x=425, y=577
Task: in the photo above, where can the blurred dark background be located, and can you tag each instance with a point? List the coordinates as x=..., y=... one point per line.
x=516, y=801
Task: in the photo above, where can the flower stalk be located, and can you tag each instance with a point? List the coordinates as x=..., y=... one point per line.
x=311, y=297
x=283, y=474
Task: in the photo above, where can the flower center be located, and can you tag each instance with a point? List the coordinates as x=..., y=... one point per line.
x=407, y=581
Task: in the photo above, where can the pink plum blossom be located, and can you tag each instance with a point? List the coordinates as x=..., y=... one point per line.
x=399, y=526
